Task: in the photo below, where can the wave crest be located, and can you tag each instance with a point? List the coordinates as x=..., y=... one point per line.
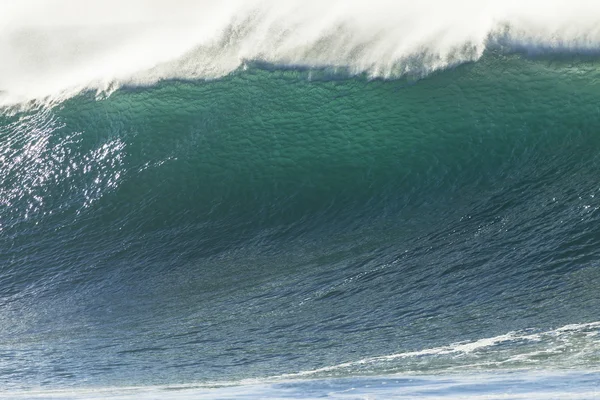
x=103, y=45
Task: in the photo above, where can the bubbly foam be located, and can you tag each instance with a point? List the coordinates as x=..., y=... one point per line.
x=526, y=385
x=578, y=339
x=61, y=47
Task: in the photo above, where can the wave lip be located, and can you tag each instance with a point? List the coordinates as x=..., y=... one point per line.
x=107, y=44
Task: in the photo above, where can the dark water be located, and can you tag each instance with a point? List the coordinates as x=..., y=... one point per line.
x=304, y=223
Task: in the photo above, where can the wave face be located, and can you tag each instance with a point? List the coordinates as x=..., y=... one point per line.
x=303, y=221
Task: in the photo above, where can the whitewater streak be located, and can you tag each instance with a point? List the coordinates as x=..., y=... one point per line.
x=60, y=47
x=578, y=339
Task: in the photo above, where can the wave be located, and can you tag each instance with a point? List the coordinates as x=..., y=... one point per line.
x=62, y=47
x=279, y=220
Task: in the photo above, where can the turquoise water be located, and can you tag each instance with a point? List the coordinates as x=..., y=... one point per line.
x=294, y=223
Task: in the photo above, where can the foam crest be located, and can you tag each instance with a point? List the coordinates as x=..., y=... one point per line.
x=64, y=46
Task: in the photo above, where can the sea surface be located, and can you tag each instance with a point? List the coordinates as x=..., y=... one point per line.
x=393, y=205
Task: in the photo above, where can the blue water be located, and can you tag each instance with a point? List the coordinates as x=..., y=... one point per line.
x=508, y=385
x=292, y=231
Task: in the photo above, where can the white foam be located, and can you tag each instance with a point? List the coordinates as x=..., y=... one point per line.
x=460, y=384
x=521, y=385
x=552, y=341
x=62, y=46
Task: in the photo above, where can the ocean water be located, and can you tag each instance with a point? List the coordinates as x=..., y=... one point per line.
x=301, y=200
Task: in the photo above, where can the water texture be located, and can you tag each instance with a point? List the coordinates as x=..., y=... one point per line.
x=310, y=226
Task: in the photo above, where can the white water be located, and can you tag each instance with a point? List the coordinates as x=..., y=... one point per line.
x=520, y=384
x=573, y=378
x=59, y=47
x=574, y=345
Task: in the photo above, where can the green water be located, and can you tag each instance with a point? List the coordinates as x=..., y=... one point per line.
x=281, y=220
